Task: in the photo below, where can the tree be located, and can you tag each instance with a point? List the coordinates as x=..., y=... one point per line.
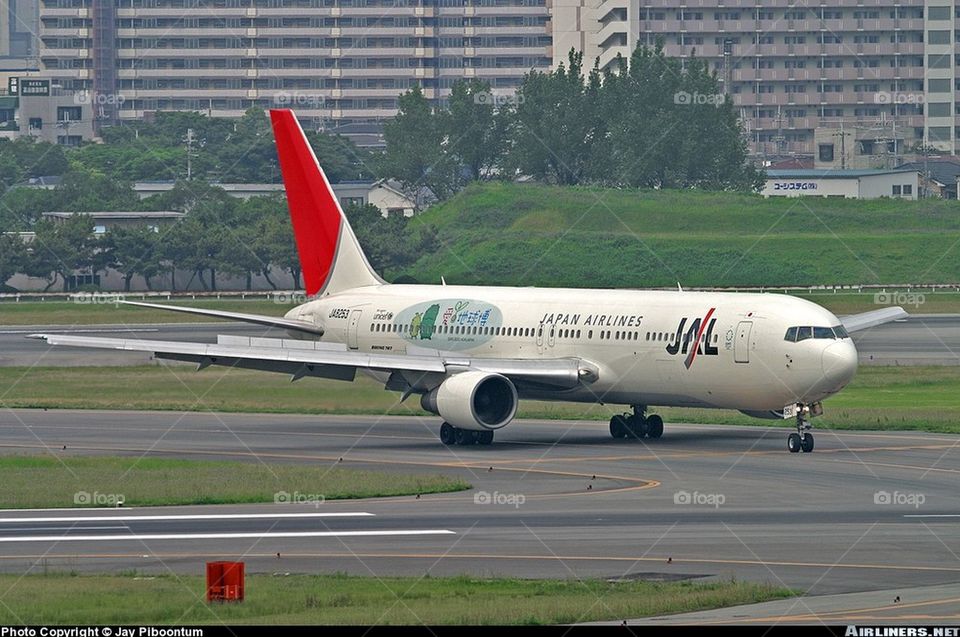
x=62, y=248
x=133, y=251
x=13, y=255
x=555, y=124
x=474, y=129
x=276, y=239
x=416, y=153
x=389, y=242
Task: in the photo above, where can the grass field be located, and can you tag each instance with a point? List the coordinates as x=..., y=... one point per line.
x=68, y=313
x=340, y=599
x=922, y=398
x=528, y=234
x=66, y=480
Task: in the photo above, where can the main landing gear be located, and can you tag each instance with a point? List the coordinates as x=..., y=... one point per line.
x=450, y=435
x=636, y=425
x=802, y=440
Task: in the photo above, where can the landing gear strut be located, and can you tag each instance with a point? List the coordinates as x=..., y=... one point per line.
x=450, y=435
x=802, y=440
x=636, y=425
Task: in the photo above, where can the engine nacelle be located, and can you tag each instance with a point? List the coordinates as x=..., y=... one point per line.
x=478, y=401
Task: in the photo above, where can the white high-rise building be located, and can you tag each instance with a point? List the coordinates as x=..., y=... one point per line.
x=338, y=62
x=848, y=81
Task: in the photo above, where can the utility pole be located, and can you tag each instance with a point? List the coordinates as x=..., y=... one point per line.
x=189, y=139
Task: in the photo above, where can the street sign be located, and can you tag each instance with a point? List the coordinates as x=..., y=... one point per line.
x=28, y=87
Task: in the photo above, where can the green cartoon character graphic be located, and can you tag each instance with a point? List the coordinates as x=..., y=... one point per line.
x=429, y=321
x=415, y=325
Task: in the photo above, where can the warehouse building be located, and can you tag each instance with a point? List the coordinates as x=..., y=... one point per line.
x=850, y=184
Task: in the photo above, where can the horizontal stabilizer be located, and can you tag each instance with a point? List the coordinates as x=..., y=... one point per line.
x=857, y=322
x=256, y=319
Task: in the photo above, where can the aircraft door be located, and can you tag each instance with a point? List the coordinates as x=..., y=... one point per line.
x=353, y=327
x=552, y=336
x=741, y=347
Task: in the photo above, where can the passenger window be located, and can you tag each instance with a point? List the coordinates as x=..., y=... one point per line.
x=803, y=333
x=823, y=332
x=791, y=334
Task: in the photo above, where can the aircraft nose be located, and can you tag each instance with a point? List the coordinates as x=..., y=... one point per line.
x=840, y=362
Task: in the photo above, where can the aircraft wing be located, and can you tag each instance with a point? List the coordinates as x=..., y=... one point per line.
x=333, y=360
x=857, y=322
x=257, y=319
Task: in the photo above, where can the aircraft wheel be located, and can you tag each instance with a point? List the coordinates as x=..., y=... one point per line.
x=448, y=434
x=794, y=443
x=637, y=427
x=485, y=437
x=466, y=437
x=618, y=426
x=654, y=426
x=806, y=443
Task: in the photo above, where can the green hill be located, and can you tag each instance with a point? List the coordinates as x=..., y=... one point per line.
x=527, y=234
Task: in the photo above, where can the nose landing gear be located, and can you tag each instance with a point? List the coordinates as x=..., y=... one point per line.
x=802, y=440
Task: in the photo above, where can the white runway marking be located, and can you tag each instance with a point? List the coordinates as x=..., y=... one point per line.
x=218, y=536
x=155, y=518
x=932, y=515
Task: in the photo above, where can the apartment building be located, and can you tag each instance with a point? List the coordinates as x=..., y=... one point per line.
x=338, y=62
x=853, y=83
x=19, y=22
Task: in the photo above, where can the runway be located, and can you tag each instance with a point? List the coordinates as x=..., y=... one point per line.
x=923, y=339
x=864, y=512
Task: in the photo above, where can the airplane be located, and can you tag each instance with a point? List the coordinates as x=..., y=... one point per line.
x=472, y=352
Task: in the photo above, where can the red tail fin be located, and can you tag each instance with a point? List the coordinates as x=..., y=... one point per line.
x=330, y=256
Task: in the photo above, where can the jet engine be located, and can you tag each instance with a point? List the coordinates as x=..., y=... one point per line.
x=478, y=401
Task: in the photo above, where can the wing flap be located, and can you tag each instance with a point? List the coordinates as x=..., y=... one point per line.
x=866, y=320
x=329, y=360
x=211, y=353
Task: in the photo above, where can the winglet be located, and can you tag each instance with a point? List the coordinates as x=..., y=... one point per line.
x=330, y=255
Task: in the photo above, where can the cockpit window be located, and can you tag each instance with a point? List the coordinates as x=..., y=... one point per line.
x=823, y=332
x=802, y=333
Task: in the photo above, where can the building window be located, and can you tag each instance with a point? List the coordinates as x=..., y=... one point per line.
x=36, y=123
x=69, y=113
x=826, y=152
x=897, y=190
x=908, y=190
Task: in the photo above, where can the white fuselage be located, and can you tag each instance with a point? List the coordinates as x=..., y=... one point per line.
x=666, y=348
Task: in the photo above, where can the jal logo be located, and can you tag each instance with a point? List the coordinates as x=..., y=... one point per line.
x=695, y=339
